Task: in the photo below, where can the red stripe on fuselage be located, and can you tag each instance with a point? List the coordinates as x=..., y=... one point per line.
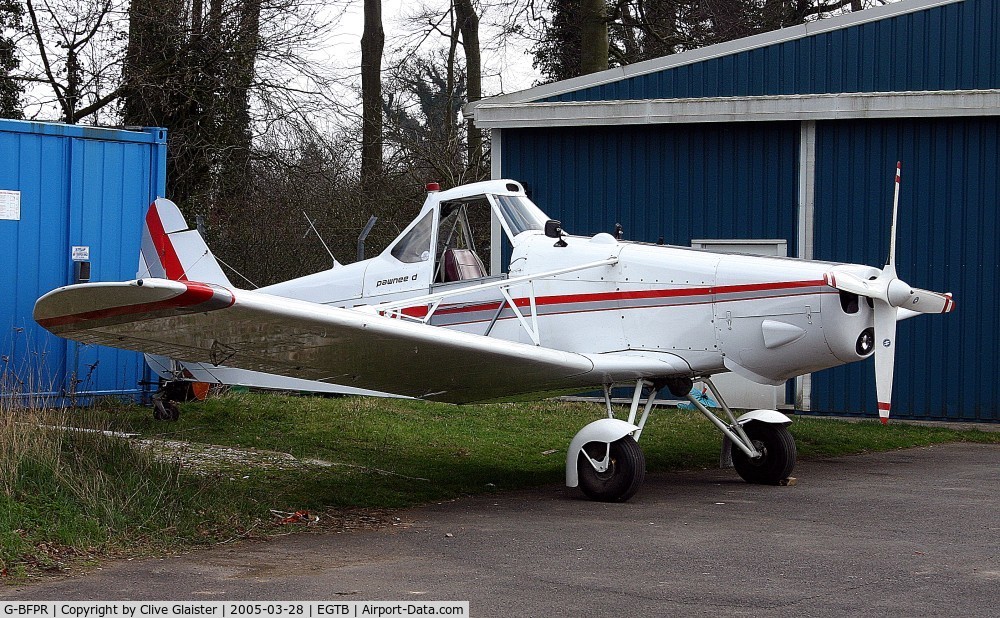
x=164, y=248
x=195, y=294
x=563, y=299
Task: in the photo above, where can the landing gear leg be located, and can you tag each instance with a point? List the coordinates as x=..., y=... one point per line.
x=758, y=443
x=165, y=410
x=604, y=458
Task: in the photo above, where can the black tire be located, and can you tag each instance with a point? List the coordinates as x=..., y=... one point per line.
x=173, y=410
x=165, y=410
x=777, y=448
x=624, y=475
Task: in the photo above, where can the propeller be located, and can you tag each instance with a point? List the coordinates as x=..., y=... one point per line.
x=889, y=295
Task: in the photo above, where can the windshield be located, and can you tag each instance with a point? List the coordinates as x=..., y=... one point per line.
x=416, y=244
x=519, y=214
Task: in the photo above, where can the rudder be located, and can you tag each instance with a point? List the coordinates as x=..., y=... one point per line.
x=170, y=250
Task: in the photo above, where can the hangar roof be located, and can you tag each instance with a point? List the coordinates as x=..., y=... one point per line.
x=887, y=67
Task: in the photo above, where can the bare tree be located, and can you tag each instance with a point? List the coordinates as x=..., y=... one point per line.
x=372, y=45
x=226, y=78
x=424, y=94
x=456, y=25
x=468, y=24
x=139, y=57
x=10, y=89
x=75, y=64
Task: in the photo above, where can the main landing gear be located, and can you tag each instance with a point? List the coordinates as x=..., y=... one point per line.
x=605, y=460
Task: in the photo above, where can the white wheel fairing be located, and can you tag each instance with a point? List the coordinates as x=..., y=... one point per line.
x=605, y=430
x=771, y=417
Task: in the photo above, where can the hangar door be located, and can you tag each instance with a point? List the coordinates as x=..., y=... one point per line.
x=948, y=240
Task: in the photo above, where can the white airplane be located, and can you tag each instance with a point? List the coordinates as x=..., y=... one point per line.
x=425, y=320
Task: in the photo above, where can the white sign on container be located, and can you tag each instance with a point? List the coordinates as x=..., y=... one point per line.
x=10, y=205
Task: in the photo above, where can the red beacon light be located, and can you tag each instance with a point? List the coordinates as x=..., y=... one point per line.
x=433, y=186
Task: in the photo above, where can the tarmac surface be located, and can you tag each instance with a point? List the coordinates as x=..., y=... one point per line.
x=903, y=533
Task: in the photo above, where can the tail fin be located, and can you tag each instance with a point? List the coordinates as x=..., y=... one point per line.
x=172, y=251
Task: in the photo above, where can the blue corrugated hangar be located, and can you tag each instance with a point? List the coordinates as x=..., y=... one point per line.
x=794, y=135
x=72, y=202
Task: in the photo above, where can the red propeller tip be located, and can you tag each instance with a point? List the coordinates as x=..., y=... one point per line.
x=883, y=411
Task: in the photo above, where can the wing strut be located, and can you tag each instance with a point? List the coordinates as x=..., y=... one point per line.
x=397, y=309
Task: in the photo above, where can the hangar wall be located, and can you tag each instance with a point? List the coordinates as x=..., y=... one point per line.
x=799, y=141
x=948, y=240
x=76, y=187
x=681, y=182
x=674, y=182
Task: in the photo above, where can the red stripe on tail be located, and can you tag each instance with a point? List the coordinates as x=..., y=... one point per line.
x=164, y=248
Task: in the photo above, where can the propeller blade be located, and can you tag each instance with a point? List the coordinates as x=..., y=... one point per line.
x=852, y=283
x=926, y=301
x=891, y=260
x=885, y=356
x=891, y=290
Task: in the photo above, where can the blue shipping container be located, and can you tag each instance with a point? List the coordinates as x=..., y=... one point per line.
x=68, y=189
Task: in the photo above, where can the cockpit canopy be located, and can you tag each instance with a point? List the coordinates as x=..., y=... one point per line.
x=458, y=232
x=518, y=214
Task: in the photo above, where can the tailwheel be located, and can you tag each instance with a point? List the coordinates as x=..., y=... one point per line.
x=166, y=410
x=611, y=472
x=777, y=454
x=165, y=402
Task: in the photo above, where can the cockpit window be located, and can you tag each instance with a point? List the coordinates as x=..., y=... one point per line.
x=415, y=246
x=519, y=213
x=463, y=240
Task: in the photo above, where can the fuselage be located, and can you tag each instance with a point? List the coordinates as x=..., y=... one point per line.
x=767, y=319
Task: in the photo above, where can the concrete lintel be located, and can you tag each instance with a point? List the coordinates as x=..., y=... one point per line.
x=856, y=105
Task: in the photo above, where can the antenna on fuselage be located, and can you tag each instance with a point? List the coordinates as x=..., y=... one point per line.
x=313, y=226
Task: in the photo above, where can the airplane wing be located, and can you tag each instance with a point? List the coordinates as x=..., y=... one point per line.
x=208, y=323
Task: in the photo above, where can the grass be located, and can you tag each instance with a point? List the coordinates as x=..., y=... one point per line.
x=72, y=497
x=68, y=497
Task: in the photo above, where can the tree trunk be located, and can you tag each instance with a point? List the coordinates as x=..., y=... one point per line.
x=450, y=112
x=468, y=24
x=153, y=41
x=372, y=43
x=235, y=122
x=593, y=36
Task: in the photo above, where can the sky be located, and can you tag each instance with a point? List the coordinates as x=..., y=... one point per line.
x=507, y=63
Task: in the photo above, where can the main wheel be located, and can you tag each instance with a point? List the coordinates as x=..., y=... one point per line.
x=625, y=472
x=777, y=448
